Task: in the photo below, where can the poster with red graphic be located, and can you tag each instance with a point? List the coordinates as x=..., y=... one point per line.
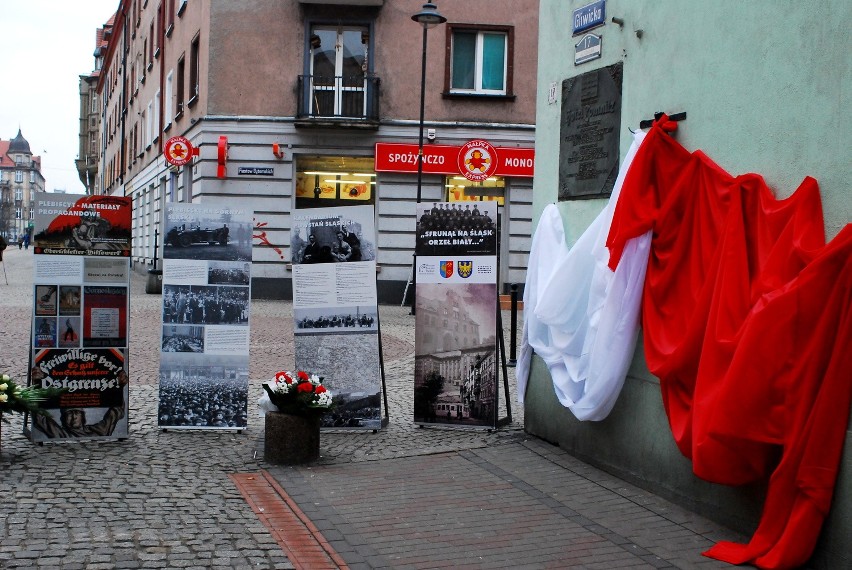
x=72, y=224
x=455, y=375
x=80, y=310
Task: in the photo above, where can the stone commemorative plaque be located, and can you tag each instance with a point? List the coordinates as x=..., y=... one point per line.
x=589, y=133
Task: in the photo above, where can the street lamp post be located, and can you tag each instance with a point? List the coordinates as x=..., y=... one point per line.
x=428, y=17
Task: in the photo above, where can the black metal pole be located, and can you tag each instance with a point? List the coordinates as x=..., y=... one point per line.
x=419, y=166
x=513, y=319
x=156, y=245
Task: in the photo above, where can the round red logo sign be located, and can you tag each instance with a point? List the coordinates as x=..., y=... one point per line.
x=477, y=160
x=178, y=151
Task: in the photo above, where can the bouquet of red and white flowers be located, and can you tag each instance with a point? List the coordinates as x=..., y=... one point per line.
x=300, y=393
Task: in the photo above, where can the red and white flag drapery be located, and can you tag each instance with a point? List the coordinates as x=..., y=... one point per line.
x=747, y=323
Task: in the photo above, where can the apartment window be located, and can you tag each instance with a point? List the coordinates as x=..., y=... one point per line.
x=480, y=60
x=19, y=176
x=181, y=7
x=19, y=194
x=170, y=14
x=149, y=130
x=159, y=29
x=151, y=43
x=32, y=176
x=155, y=120
x=19, y=213
x=181, y=67
x=194, y=65
x=167, y=110
x=19, y=159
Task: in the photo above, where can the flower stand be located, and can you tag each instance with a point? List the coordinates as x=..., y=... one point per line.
x=291, y=439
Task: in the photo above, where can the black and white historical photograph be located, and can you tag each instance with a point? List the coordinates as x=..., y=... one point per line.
x=455, y=378
x=449, y=228
x=228, y=273
x=207, y=231
x=336, y=320
x=183, y=338
x=333, y=235
x=202, y=391
x=350, y=368
x=205, y=305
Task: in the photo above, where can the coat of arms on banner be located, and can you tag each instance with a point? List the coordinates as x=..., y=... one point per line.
x=446, y=269
x=465, y=268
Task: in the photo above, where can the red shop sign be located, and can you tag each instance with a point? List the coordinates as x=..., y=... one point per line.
x=179, y=151
x=443, y=159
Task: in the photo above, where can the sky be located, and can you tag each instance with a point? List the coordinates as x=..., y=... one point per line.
x=46, y=45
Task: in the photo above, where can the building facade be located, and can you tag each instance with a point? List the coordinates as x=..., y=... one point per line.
x=20, y=177
x=765, y=89
x=317, y=103
x=88, y=152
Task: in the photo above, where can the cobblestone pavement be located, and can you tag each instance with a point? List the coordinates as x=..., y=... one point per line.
x=404, y=497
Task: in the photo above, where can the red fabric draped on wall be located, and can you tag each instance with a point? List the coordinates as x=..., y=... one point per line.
x=747, y=323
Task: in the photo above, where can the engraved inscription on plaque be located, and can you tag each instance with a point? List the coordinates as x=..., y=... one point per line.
x=589, y=133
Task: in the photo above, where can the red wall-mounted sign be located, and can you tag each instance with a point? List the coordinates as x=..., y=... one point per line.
x=179, y=151
x=444, y=159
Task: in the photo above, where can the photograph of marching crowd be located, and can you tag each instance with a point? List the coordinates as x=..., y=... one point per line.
x=336, y=320
x=205, y=305
x=183, y=338
x=195, y=395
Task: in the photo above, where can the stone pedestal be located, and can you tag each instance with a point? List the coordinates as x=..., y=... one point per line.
x=291, y=440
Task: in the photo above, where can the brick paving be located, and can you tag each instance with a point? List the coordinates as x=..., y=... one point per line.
x=404, y=497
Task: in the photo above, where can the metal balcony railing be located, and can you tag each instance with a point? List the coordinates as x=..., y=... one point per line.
x=339, y=97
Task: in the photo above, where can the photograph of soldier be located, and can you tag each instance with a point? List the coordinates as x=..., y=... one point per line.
x=454, y=228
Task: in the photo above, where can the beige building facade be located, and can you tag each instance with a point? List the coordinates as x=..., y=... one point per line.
x=291, y=102
x=20, y=177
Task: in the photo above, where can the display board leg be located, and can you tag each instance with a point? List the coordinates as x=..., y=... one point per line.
x=504, y=368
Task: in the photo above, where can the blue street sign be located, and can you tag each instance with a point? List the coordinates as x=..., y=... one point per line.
x=588, y=17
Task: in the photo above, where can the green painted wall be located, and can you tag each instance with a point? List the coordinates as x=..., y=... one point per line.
x=766, y=86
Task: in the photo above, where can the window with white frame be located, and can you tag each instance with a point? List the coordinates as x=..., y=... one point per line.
x=32, y=176
x=169, y=95
x=149, y=130
x=19, y=193
x=194, y=70
x=19, y=176
x=19, y=213
x=480, y=60
x=156, y=118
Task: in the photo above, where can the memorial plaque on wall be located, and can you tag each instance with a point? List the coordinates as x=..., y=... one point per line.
x=589, y=133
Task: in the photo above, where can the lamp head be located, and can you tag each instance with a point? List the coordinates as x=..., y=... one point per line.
x=429, y=17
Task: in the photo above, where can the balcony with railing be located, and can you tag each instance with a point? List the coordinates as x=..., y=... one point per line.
x=341, y=101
